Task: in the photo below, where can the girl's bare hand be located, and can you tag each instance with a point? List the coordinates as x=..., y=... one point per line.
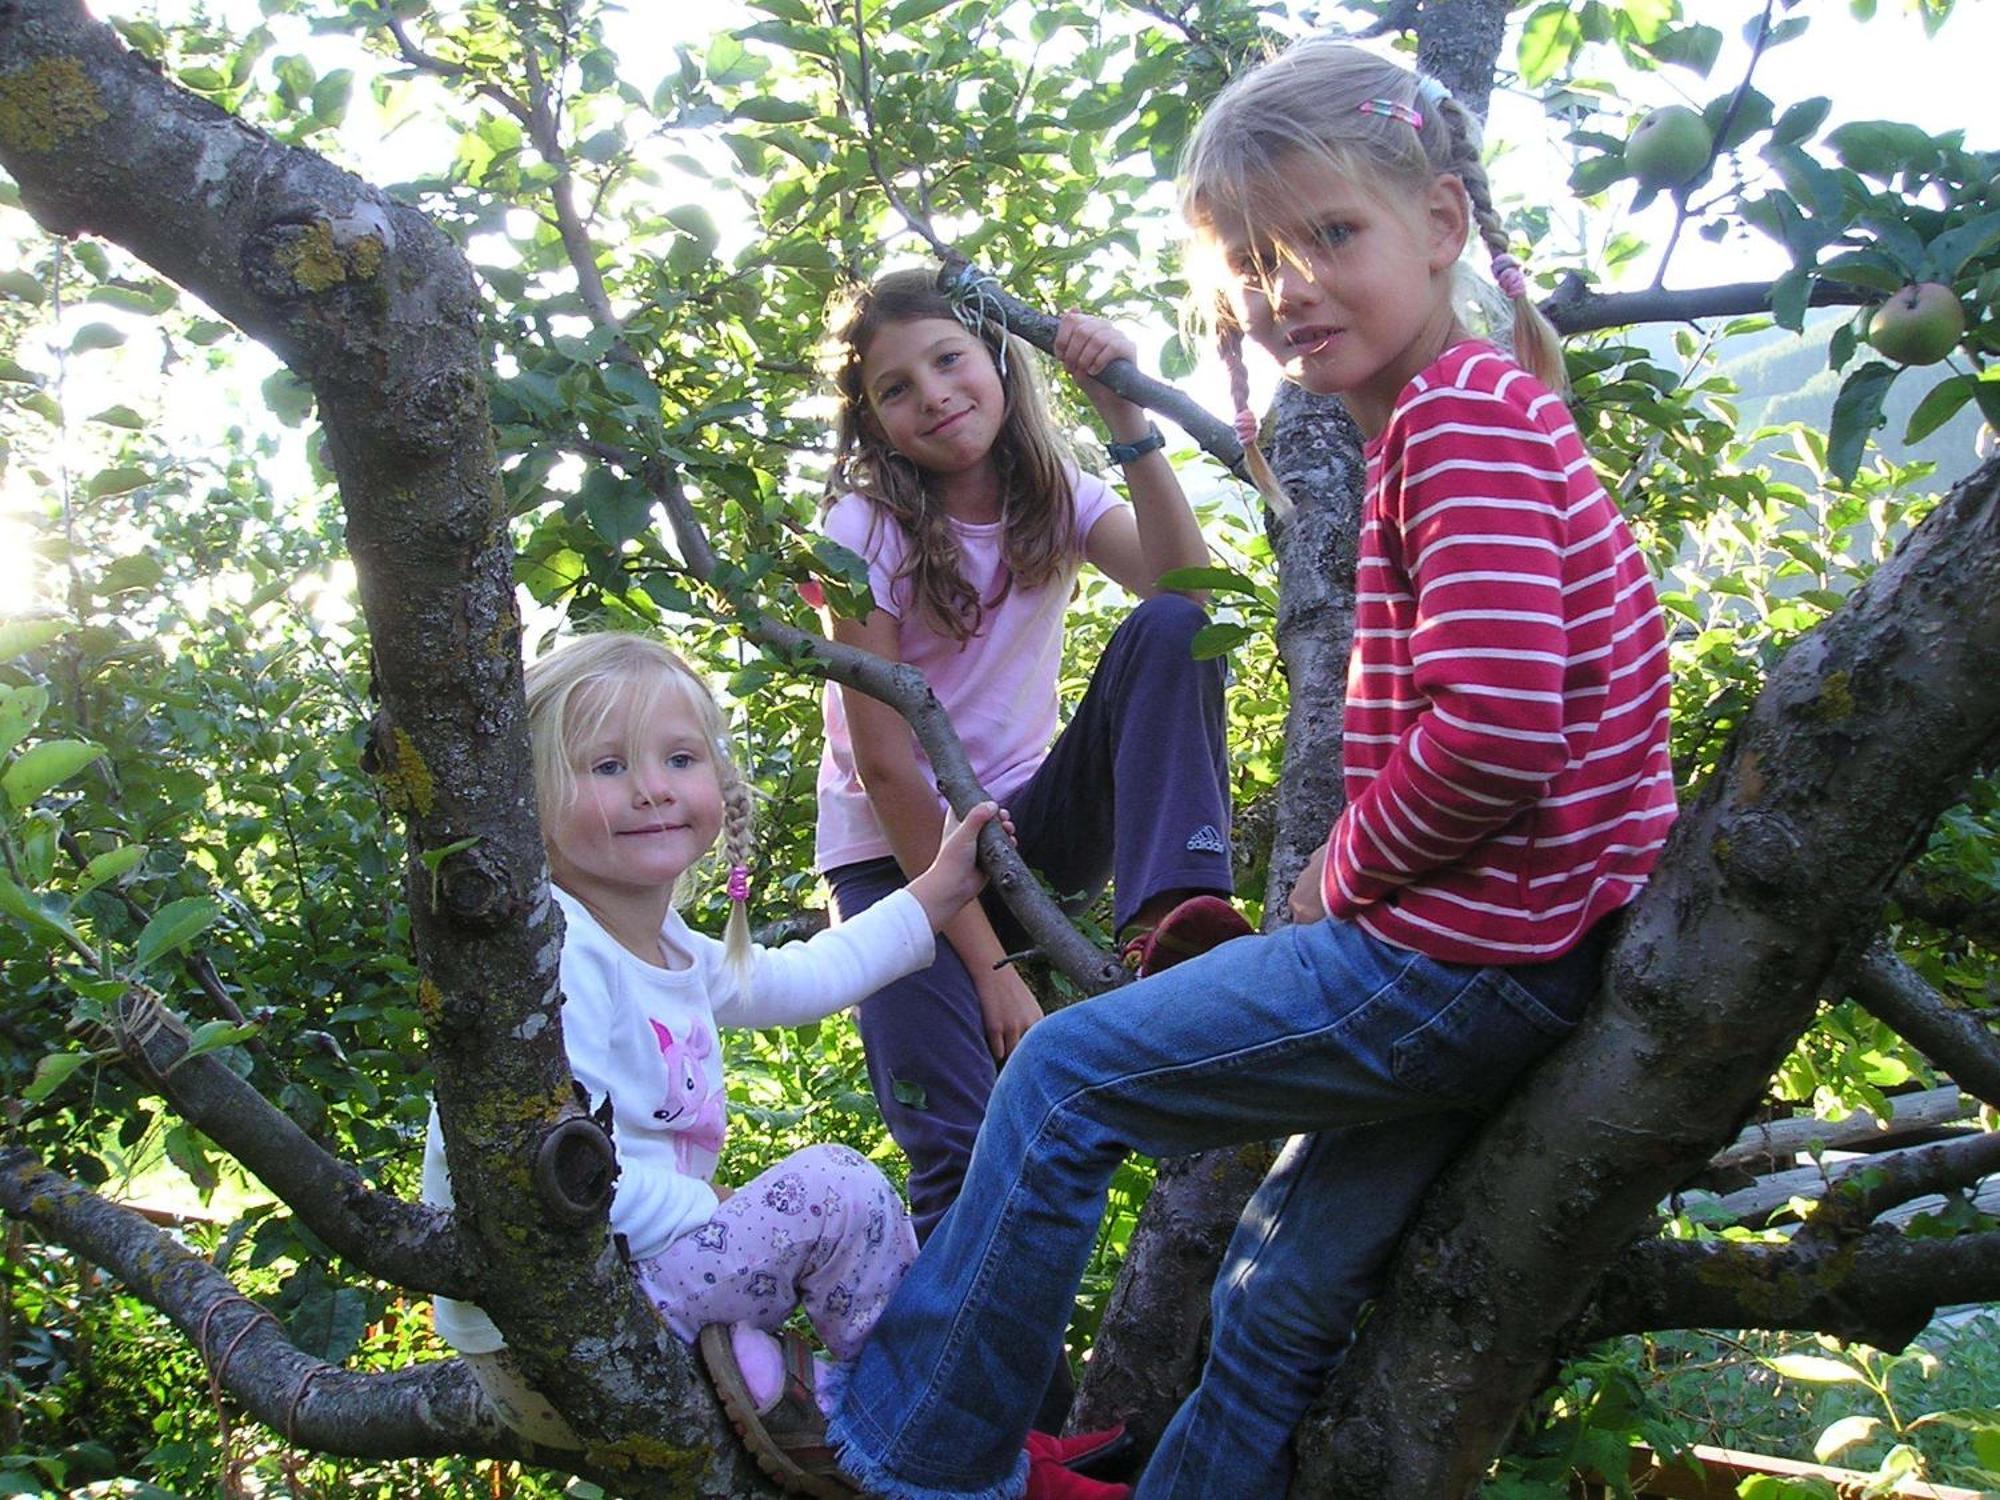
x=1087, y=344
x=954, y=877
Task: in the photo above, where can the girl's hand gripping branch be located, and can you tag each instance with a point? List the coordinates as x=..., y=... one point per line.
x=1085, y=345
x=954, y=877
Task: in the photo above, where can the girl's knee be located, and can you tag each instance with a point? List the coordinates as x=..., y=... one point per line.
x=1167, y=619
x=842, y=1166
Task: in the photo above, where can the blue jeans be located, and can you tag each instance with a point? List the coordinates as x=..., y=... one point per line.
x=1387, y=1056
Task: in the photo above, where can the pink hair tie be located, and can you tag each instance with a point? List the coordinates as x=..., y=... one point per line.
x=1390, y=109
x=1513, y=281
x=739, y=883
x=1246, y=426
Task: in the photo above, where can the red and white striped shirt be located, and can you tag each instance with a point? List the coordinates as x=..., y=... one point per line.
x=1505, y=755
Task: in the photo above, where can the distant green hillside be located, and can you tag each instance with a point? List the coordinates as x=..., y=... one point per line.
x=1782, y=377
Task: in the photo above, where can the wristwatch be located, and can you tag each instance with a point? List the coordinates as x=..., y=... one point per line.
x=1124, y=453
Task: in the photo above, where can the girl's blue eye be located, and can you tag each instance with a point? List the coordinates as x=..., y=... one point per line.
x=611, y=765
x=890, y=392
x=680, y=760
x=949, y=358
x=1334, y=234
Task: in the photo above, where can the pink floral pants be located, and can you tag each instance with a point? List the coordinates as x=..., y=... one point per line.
x=823, y=1229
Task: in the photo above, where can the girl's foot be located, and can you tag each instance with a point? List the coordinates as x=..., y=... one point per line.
x=1049, y=1480
x=1192, y=928
x=1096, y=1454
x=780, y=1422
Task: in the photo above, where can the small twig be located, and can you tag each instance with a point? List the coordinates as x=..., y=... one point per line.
x=1721, y=135
x=416, y=57
x=917, y=219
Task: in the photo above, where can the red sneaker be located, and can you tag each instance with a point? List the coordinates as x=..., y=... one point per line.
x=1079, y=1448
x=1049, y=1480
x=1195, y=926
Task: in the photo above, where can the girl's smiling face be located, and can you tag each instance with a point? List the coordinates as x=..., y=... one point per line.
x=1351, y=294
x=646, y=805
x=935, y=393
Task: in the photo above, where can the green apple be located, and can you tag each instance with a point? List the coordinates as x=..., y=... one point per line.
x=1920, y=325
x=1670, y=147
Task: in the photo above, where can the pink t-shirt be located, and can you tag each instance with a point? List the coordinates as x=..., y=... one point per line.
x=998, y=688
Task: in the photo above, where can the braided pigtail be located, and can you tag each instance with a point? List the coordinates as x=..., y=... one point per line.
x=1537, y=348
x=1229, y=339
x=738, y=845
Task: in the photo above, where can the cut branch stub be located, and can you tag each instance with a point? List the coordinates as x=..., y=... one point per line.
x=575, y=1168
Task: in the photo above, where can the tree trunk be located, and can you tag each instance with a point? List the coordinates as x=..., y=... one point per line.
x=377, y=311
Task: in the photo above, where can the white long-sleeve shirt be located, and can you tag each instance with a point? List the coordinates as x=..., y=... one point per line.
x=645, y=1038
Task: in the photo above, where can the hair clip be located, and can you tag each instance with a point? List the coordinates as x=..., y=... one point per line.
x=1508, y=273
x=739, y=883
x=1431, y=91
x=1390, y=109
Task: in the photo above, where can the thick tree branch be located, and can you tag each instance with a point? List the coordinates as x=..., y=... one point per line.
x=1574, y=308
x=412, y=1245
x=1765, y=886
x=420, y=1412
x=1880, y=1288
x=1961, y=1044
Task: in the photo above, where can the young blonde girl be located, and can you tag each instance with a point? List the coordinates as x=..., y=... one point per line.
x=1508, y=789
x=635, y=783
x=973, y=519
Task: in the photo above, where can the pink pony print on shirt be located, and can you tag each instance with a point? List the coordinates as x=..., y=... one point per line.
x=690, y=1108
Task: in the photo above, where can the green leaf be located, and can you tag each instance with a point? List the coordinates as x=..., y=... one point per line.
x=49, y=764
x=328, y=1322
x=119, y=481
x=1857, y=412
x=909, y=1094
x=175, y=925
x=211, y=1036
x=51, y=1073
x=113, y=864
x=20, y=637
x=1218, y=639
x=768, y=111
x=96, y=336
x=22, y=287
x=1548, y=41
x=1939, y=406
x=290, y=398
x=1815, y=1369
x=1209, y=578
x=1842, y=1435
x=17, y=903
x=1951, y=250
x=1800, y=120
x=137, y=573
x=121, y=416
x=21, y=709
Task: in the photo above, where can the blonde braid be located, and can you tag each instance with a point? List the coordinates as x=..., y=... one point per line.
x=1537, y=347
x=1229, y=338
x=738, y=846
